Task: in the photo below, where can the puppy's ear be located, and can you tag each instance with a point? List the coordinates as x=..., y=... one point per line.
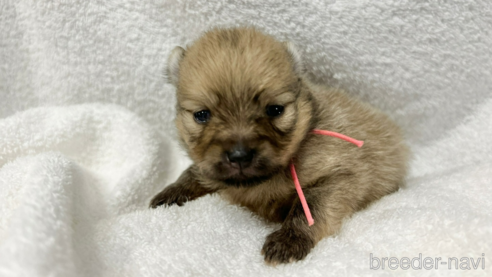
x=173, y=62
x=295, y=56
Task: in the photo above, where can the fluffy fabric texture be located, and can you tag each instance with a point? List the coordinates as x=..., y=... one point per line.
x=76, y=176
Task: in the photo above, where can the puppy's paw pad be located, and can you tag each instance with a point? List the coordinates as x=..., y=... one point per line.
x=286, y=246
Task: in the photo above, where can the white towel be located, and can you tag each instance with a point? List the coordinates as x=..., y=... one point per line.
x=87, y=136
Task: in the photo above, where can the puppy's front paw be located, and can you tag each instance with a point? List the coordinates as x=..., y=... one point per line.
x=286, y=245
x=170, y=196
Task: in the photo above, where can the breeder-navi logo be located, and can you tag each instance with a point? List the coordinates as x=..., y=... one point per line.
x=427, y=263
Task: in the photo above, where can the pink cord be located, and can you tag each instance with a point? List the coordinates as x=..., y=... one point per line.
x=301, y=195
x=359, y=143
x=293, y=172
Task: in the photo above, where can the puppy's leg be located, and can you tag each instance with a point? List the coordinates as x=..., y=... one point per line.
x=329, y=204
x=186, y=188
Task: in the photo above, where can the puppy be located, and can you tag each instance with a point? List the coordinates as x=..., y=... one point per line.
x=245, y=111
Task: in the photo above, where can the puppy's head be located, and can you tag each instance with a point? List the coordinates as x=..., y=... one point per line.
x=242, y=110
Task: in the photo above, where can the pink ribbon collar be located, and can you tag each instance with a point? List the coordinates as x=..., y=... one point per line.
x=293, y=172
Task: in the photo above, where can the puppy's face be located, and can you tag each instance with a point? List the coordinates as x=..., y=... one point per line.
x=241, y=109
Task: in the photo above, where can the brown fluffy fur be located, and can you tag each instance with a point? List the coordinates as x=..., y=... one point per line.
x=236, y=73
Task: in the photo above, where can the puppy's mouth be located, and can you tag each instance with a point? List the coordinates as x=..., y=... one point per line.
x=239, y=176
x=244, y=181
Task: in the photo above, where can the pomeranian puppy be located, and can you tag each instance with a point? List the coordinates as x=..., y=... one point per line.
x=245, y=110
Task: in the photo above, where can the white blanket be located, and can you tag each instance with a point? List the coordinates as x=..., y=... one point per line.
x=87, y=138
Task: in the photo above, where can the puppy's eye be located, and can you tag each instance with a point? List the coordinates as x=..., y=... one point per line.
x=202, y=116
x=274, y=110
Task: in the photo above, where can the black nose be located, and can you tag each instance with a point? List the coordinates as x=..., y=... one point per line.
x=240, y=155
